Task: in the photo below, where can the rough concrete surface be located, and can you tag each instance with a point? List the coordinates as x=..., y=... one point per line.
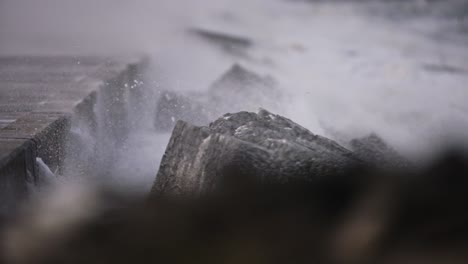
x=261, y=146
x=38, y=96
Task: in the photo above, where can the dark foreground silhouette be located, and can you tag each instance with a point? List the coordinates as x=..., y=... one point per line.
x=362, y=216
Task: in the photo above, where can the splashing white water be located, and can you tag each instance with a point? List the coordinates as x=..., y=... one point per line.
x=345, y=71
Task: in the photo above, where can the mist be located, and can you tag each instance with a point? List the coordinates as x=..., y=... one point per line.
x=346, y=68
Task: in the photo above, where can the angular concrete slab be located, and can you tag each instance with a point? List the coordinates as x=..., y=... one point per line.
x=38, y=96
x=17, y=170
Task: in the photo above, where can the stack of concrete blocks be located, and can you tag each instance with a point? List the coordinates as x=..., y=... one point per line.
x=41, y=98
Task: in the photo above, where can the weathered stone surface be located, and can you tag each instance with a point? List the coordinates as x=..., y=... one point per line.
x=264, y=146
x=236, y=90
x=46, y=130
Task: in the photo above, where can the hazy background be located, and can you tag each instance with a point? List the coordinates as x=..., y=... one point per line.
x=347, y=68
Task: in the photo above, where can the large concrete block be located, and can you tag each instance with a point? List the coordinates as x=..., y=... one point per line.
x=173, y=106
x=29, y=85
x=38, y=96
x=239, y=89
x=17, y=170
x=46, y=130
x=260, y=146
x=374, y=150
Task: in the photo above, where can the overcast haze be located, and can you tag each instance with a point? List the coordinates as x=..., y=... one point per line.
x=346, y=69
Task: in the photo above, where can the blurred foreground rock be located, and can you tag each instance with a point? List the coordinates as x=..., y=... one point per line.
x=363, y=217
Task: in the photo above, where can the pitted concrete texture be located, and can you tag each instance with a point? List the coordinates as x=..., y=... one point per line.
x=38, y=95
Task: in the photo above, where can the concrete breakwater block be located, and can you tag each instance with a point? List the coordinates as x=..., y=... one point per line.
x=173, y=106
x=261, y=146
x=373, y=149
x=17, y=170
x=239, y=89
x=46, y=130
x=39, y=98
